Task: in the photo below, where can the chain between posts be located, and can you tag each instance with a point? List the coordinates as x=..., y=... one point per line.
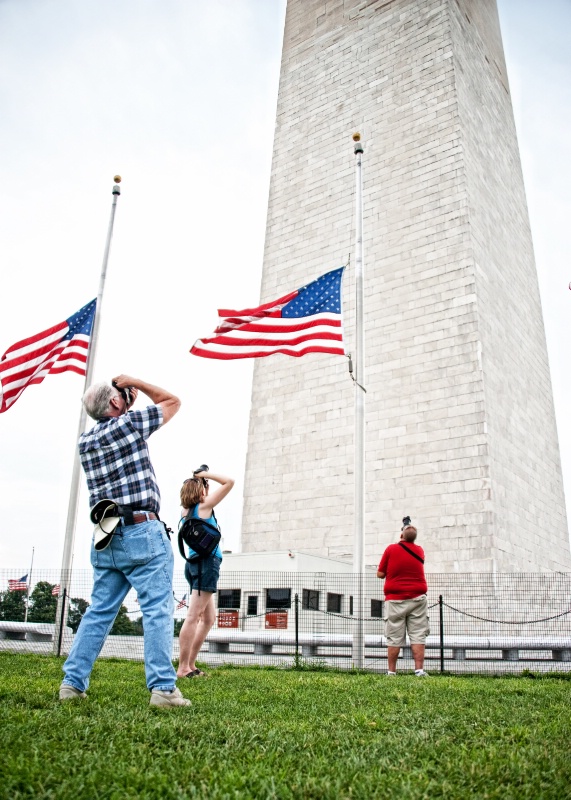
x=507, y=622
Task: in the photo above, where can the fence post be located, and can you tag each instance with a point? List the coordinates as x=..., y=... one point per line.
x=61, y=622
x=296, y=607
x=441, y=608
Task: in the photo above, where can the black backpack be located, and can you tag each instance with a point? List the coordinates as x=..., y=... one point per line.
x=200, y=535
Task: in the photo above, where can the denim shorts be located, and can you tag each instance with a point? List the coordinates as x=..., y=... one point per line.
x=210, y=567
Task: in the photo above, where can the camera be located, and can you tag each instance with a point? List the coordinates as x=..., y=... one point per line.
x=405, y=521
x=125, y=394
x=202, y=468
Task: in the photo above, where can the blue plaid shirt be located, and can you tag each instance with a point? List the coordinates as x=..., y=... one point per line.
x=115, y=457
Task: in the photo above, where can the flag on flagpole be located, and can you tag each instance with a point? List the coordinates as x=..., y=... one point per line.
x=181, y=603
x=61, y=348
x=307, y=320
x=20, y=585
x=56, y=590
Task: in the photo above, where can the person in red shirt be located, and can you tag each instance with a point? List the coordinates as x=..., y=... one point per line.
x=402, y=568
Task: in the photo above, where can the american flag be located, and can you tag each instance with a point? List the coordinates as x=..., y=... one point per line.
x=61, y=348
x=307, y=320
x=181, y=603
x=56, y=590
x=20, y=585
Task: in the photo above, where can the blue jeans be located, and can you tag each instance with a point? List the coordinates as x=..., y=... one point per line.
x=139, y=556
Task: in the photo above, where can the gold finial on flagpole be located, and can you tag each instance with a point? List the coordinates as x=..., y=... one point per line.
x=358, y=146
x=117, y=179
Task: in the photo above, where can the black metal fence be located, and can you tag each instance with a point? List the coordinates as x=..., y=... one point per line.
x=486, y=623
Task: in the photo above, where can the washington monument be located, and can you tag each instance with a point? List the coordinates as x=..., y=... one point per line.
x=460, y=425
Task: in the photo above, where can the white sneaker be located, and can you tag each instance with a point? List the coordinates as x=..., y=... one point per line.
x=391, y=674
x=420, y=673
x=67, y=692
x=168, y=699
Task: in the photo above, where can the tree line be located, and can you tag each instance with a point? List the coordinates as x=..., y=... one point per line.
x=43, y=607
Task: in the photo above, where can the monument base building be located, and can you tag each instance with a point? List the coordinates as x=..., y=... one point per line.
x=460, y=425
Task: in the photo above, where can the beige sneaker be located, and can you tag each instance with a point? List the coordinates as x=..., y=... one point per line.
x=168, y=699
x=67, y=692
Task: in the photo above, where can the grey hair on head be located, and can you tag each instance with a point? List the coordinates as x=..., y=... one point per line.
x=96, y=400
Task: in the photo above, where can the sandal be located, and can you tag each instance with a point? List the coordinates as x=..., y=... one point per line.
x=196, y=673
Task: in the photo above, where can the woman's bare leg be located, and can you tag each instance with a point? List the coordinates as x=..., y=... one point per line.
x=199, y=619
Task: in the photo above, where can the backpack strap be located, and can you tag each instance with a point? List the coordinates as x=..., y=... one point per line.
x=215, y=520
x=191, y=514
x=414, y=555
x=180, y=542
x=188, y=516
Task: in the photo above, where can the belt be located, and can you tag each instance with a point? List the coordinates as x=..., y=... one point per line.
x=140, y=516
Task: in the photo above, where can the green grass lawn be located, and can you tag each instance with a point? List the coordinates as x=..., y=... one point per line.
x=269, y=733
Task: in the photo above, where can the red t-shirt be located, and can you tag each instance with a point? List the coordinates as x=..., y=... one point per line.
x=404, y=574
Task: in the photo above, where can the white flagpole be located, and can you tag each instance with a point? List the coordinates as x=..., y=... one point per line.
x=359, y=535
x=28, y=589
x=67, y=559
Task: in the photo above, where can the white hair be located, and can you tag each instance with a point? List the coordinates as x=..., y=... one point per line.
x=96, y=400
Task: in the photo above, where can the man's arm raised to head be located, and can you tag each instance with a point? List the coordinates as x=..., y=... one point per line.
x=168, y=402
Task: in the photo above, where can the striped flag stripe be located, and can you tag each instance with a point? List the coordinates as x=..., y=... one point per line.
x=259, y=310
x=228, y=352
x=73, y=362
x=282, y=325
x=76, y=350
x=268, y=342
x=51, y=335
x=273, y=339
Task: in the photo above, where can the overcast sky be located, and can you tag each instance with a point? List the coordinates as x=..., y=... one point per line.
x=179, y=98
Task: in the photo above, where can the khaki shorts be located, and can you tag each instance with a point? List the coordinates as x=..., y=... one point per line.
x=407, y=616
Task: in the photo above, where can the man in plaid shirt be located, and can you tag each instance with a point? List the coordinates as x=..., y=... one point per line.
x=115, y=457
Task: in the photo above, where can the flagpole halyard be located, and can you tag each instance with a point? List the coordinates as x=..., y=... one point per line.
x=359, y=384
x=67, y=558
x=28, y=588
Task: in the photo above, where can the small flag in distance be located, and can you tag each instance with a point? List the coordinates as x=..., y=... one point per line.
x=19, y=585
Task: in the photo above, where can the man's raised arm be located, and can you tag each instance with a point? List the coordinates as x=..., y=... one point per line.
x=168, y=402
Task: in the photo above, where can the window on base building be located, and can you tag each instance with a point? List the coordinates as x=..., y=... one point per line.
x=278, y=598
x=252, y=605
x=228, y=598
x=377, y=608
x=310, y=600
x=334, y=603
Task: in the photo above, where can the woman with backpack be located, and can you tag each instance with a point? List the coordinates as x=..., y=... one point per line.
x=201, y=573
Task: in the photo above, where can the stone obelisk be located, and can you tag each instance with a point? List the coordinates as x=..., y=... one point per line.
x=460, y=426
